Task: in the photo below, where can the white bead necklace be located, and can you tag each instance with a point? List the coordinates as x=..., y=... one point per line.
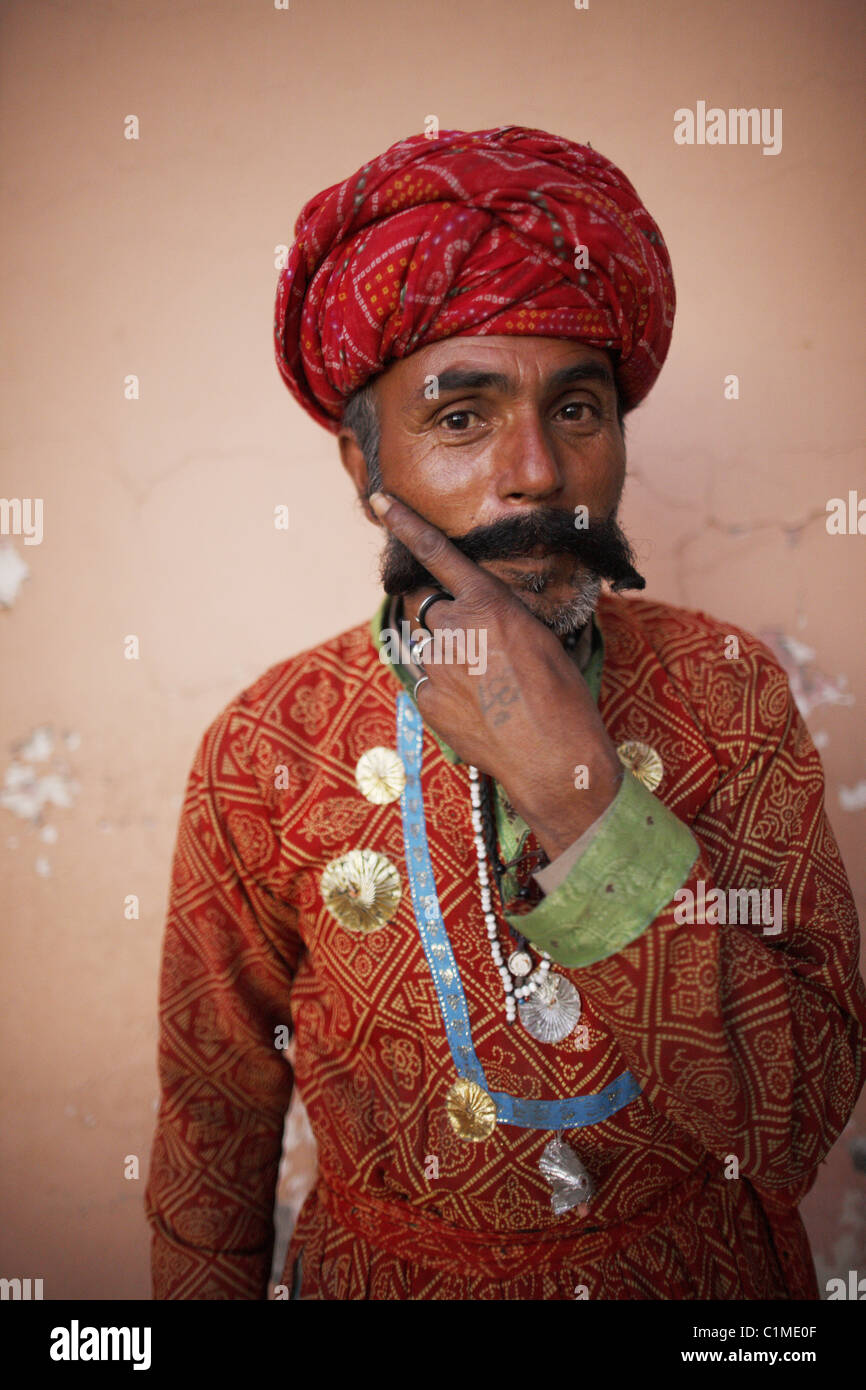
x=512, y=992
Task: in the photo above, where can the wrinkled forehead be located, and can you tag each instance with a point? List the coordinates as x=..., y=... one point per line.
x=507, y=365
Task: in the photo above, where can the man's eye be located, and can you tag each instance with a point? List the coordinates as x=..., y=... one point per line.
x=582, y=405
x=455, y=415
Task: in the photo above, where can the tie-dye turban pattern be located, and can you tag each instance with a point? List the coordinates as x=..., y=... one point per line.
x=502, y=231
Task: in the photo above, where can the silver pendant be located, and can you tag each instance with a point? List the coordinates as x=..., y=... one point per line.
x=570, y=1183
x=520, y=963
x=551, y=1013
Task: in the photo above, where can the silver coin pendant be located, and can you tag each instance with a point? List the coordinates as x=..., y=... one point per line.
x=552, y=1012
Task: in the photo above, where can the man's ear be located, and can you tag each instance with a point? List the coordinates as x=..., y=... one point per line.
x=352, y=459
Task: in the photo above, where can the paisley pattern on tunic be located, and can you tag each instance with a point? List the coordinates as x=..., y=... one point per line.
x=743, y=1044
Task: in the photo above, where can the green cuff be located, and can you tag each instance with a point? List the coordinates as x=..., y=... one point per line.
x=640, y=857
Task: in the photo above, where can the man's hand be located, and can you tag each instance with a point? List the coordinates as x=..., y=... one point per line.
x=529, y=720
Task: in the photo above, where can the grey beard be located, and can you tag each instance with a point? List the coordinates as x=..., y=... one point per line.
x=571, y=616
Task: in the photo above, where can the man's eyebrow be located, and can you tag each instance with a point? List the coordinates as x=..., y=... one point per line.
x=582, y=371
x=474, y=379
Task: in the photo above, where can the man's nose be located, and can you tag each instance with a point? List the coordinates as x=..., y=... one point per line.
x=526, y=460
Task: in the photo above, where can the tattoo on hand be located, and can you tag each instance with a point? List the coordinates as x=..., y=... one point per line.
x=496, y=694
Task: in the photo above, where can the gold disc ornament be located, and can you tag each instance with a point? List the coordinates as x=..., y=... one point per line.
x=643, y=761
x=380, y=775
x=471, y=1110
x=362, y=889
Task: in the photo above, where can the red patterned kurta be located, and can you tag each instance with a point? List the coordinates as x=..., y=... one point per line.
x=745, y=1046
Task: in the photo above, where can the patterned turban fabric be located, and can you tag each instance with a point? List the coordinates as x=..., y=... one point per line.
x=471, y=233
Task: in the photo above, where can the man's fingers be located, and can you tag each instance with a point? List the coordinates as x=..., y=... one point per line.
x=449, y=566
x=425, y=604
x=416, y=649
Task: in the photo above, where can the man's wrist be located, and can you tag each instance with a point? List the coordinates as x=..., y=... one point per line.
x=557, y=823
x=635, y=863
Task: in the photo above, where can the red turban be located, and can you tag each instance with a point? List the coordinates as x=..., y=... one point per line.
x=471, y=233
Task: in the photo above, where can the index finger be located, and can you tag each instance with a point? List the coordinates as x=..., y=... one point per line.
x=448, y=565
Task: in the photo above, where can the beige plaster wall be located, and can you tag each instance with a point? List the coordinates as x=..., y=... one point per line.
x=156, y=257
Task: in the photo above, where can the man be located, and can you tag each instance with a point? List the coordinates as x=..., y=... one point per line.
x=537, y=876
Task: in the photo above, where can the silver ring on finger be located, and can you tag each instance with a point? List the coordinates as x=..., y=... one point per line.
x=417, y=647
x=430, y=599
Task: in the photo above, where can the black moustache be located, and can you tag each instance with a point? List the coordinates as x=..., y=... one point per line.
x=601, y=546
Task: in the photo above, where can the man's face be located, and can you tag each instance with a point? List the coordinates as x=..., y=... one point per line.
x=523, y=431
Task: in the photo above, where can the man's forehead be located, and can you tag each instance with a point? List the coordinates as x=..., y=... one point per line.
x=467, y=361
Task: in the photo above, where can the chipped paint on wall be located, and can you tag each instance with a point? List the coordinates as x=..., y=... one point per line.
x=13, y=572
x=810, y=686
x=37, y=777
x=853, y=798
